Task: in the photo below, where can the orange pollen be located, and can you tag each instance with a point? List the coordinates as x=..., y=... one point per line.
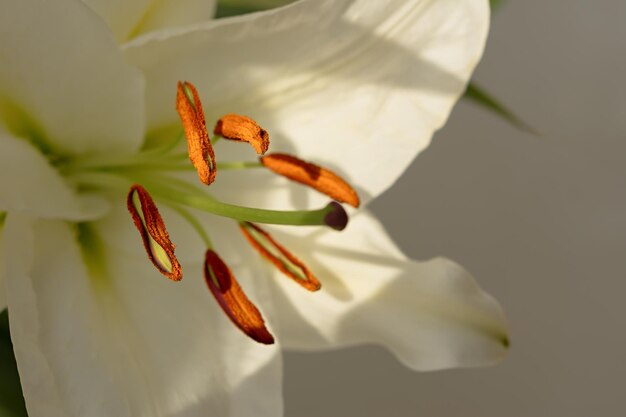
x=199, y=146
x=243, y=129
x=284, y=260
x=233, y=300
x=151, y=227
x=321, y=179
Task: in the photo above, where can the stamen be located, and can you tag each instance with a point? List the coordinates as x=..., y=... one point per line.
x=243, y=129
x=232, y=299
x=321, y=179
x=151, y=227
x=199, y=146
x=239, y=165
x=284, y=260
x=195, y=224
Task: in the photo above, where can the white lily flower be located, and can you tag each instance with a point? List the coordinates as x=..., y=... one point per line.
x=87, y=94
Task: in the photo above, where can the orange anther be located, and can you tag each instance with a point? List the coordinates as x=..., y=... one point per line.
x=321, y=179
x=244, y=129
x=151, y=227
x=199, y=146
x=284, y=260
x=233, y=300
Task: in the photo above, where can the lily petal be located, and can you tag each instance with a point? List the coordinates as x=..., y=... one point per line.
x=431, y=315
x=355, y=85
x=128, y=19
x=64, y=80
x=28, y=183
x=110, y=338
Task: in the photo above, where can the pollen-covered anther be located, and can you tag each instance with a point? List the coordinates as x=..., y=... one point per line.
x=319, y=178
x=151, y=227
x=233, y=300
x=243, y=129
x=199, y=145
x=284, y=260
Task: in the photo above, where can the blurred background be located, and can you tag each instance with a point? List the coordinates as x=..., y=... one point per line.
x=540, y=222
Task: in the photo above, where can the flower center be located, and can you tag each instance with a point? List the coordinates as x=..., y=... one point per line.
x=157, y=168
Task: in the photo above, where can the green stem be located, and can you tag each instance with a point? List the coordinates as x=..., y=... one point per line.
x=166, y=147
x=165, y=183
x=147, y=158
x=101, y=180
x=239, y=165
x=162, y=166
x=196, y=198
x=194, y=223
x=240, y=213
x=186, y=166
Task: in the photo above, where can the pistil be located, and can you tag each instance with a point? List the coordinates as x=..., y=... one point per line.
x=331, y=215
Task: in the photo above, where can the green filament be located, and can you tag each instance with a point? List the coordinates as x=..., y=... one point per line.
x=194, y=223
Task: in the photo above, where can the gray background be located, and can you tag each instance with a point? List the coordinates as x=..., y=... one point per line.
x=539, y=221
